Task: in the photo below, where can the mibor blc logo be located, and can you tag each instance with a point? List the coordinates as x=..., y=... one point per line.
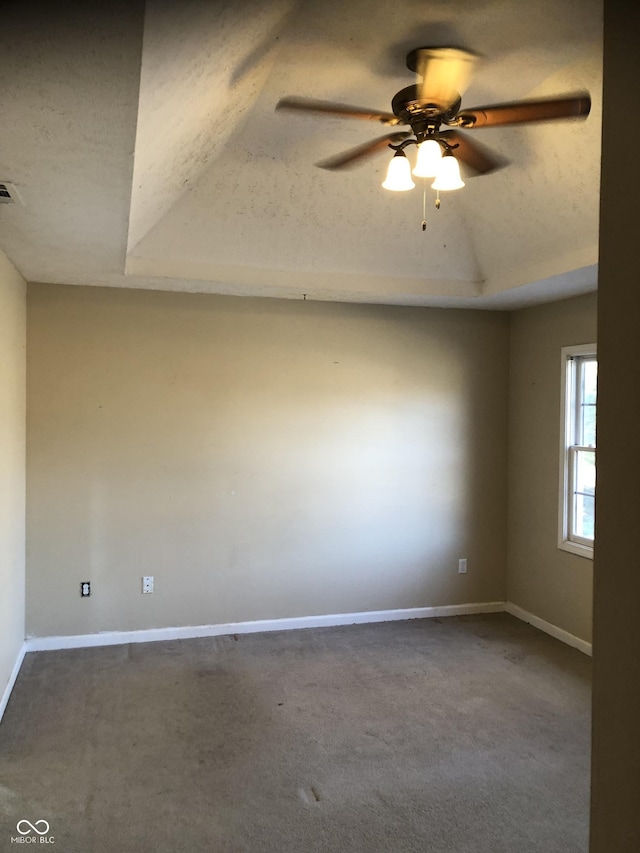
x=33, y=833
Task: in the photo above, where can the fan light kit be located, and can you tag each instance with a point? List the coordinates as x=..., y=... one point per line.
x=435, y=100
x=431, y=163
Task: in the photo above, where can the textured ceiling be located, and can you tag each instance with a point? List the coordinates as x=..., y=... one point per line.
x=144, y=144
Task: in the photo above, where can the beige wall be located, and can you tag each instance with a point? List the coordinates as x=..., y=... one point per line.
x=260, y=458
x=12, y=467
x=615, y=816
x=543, y=579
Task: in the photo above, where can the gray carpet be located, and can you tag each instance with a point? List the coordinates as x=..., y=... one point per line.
x=461, y=734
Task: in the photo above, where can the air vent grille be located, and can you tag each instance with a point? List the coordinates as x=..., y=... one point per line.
x=8, y=193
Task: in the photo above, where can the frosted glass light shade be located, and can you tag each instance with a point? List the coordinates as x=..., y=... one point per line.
x=448, y=177
x=429, y=159
x=398, y=174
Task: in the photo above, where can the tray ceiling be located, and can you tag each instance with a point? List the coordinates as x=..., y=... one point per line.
x=144, y=144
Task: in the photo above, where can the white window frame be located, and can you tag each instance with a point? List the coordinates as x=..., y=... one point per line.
x=568, y=449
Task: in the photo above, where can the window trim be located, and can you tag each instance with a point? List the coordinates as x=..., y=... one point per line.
x=568, y=404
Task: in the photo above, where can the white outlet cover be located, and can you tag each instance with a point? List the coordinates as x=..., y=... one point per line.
x=147, y=584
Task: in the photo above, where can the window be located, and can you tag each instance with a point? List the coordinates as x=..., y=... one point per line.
x=578, y=449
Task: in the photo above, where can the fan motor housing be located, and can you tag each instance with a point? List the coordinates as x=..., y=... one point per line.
x=411, y=108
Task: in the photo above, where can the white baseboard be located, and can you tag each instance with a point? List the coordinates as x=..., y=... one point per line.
x=548, y=628
x=149, y=635
x=4, y=701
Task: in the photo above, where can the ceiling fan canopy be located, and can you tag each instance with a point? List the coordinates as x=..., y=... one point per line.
x=418, y=112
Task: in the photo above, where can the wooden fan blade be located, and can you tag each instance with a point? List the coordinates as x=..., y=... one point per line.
x=478, y=159
x=445, y=73
x=342, y=110
x=518, y=112
x=354, y=156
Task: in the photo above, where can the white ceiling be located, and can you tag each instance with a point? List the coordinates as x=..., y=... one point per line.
x=147, y=153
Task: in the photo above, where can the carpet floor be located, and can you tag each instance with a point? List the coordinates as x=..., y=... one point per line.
x=459, y=734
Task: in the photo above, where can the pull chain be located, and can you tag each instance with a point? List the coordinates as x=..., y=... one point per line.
x=424, y=205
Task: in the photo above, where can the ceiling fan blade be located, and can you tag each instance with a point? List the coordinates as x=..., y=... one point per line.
x=478, y=159
x=354, y=156
x=445, y=73
x=342, y=110
x=519, y=112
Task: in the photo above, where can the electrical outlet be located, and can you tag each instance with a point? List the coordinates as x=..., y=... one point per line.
x=462, y=566
x=147, y=585
x=85, y=589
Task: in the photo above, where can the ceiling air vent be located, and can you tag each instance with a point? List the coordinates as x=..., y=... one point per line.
x=8, y=193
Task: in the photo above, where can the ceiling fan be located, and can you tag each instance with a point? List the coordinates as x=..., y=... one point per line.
x=423, y=108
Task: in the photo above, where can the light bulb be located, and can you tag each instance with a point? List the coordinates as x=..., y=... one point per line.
x=398, y=174
x=429, y=159
x=448, y=177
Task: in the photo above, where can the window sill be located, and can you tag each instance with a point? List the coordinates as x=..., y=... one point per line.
x=578, y=550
